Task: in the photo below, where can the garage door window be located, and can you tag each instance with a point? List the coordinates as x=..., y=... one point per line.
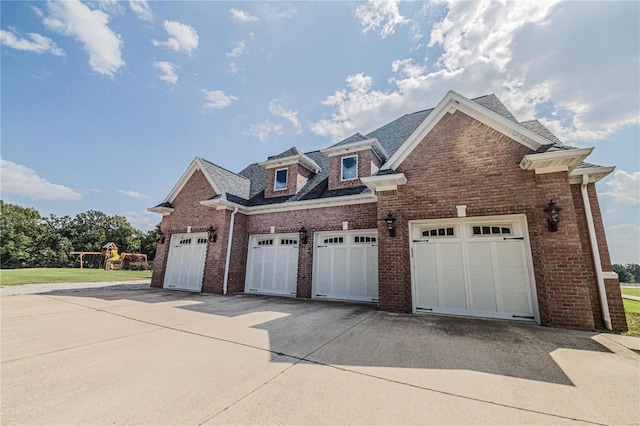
x=334, y=240
x=288, y=242
x=364, y=240
x=491, y=230
x=438, y=232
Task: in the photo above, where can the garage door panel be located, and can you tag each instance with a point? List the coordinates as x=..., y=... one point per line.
x=346, y=265
x=272, y=266
x=185, y=262
x=472, y=269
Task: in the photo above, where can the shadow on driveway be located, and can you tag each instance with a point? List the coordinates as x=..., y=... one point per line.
x=348, y=334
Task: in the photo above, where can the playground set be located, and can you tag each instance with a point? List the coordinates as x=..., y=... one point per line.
x=109, y=259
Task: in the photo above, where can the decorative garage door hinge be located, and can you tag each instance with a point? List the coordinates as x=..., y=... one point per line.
x=522, y=316
x=513, y=238
x=322, y=246
x=420, y=241
x=253, y=289
x=321, y=295
x=425, y=309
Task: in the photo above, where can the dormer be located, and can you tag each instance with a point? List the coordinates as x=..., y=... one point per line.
x=287, y=173
x=354, y=158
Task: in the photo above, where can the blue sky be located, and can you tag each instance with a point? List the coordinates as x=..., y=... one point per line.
x=105, y=104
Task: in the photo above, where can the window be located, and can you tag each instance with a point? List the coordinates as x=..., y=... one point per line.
x=350, y=167
x=281, y=180
x=185, y=241
x=438, y=232
x=334, y=240
x=491, y=230
x=365, y=239
x=201, y=241
x=288, y=242
x=265, y=243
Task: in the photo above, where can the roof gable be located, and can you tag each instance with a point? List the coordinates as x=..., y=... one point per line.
x=455, y=102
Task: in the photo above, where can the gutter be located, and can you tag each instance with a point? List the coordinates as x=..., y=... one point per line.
x=596, y=254
x=229, y=242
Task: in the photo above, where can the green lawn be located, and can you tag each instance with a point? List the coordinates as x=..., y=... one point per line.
x=55, y=275
x=632, y=310
x=630, y=291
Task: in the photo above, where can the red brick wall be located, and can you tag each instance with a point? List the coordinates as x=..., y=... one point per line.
x=296, y=178
x=365, y=160
x=189, y=212
x=612, y=286
x=463, y=162
x=361, y=216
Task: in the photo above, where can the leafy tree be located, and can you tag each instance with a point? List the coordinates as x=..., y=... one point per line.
x=148, y=244
x=634, y=269
x=623, y=275
x=21, y=232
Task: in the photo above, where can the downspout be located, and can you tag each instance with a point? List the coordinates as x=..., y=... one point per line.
x=226, y=263
x=596, y=254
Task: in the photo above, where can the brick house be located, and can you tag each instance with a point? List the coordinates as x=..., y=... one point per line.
x=446, y=210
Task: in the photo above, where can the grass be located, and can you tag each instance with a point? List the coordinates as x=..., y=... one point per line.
x=632, y=310
x=630, y=291
x=55, y=275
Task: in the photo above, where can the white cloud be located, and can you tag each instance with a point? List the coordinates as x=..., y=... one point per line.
x=264, y=129
x=242, y=16
x=239, y=49
x=21, y=180
x=623, y=241
x=280, y=111
x=217, y=99
x=380, y=16
x=38, y=43
x=168, y=71
x=624, y=187
x=504, y=48
x=275, y=11
x=234, y=68
x=181, y=37
x=90, y=27
x=132, y=194
x=143, y=220
x=142, y=9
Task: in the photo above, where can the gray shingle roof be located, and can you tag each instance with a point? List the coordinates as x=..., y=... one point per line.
x=227, y=181
x=247, y=187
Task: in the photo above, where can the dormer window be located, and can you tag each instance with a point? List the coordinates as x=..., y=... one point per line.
x=349, y=167
x=281, y=180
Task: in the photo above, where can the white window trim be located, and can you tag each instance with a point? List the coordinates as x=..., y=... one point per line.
x=342, y=179
x=275, y=180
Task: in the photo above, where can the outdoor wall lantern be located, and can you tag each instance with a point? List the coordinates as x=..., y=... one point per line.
x=213, y=236
x=303, y=235
x=391, y=224
x=160, y=237
x=553, y=212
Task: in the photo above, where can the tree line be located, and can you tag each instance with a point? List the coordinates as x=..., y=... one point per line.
x=629, y=273
x=29, y=240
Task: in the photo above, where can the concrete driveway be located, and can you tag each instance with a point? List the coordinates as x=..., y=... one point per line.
x=130, y=354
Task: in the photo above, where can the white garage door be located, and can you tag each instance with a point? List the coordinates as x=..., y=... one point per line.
x=185, y=264
x=346, y=265
x=476, y=267
x=272, y=264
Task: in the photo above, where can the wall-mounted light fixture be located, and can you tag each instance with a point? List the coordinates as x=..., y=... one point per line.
x=160, y=237
x=213, y=236
x=391, y=224
x=303, y=235
x=553, y=213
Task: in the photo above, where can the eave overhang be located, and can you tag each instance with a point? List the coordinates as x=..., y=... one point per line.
x=595, y=174
x=221, y=203
x=384, y=182
x=164, y=211
x=303, y=159
x=373, y=144
x=554, y=161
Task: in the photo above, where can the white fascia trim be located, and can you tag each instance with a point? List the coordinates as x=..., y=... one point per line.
x=347, y=200
x=554, y=161
x=196, y=164
x=454, y=101
x=303, y=159
x=594, y=173
x=372, y=143
x=164, y=211
x=609, y=275
x=384, y=182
